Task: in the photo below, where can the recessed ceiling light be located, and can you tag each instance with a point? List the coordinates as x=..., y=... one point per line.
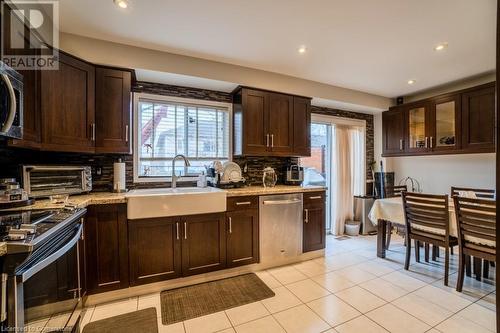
x=411, y=81
x=121, y=3
x=441, y=46
x=302, y=49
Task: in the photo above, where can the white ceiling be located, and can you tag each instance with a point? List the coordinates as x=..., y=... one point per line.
x=371, y=46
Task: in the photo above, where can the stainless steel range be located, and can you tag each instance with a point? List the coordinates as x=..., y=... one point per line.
x=41, y=269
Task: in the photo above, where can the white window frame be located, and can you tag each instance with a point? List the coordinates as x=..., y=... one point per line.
x=172, y=99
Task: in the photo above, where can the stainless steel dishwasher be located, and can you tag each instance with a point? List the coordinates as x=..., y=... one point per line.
x=280, y=227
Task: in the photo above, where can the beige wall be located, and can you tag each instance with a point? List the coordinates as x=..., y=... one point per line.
x=115, y=54
x=437, y=174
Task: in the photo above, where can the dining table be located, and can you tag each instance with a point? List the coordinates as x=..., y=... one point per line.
x=390, y=211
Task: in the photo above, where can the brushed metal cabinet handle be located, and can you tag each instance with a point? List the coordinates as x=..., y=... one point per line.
x=306, y=219
x=243, y=203
x=426, y=142
x=315, y=197
x=230, y=225
x=432, y=141
x=126, y=133
x=272, y=140
x=92, y=128
x=267, y=140
x=185, y=231
x=400, y=144
x=177, y=230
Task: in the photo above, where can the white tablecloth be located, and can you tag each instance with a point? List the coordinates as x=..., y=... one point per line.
x=391, y=209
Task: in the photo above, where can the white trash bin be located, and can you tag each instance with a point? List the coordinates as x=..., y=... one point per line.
x=352, y=228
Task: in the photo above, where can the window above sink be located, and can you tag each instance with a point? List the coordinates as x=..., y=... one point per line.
x=165, y=126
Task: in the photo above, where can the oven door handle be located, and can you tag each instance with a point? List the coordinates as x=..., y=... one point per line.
x=52, y=257
x=13, y=105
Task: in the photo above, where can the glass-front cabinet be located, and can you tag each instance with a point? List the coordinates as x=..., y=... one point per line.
x=418, y=127
x=445, y=132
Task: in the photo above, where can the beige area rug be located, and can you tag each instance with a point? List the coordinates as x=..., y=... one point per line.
x=209, y=297
x=143, y=321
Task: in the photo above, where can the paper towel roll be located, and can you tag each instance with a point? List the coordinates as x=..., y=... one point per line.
x=119, y=177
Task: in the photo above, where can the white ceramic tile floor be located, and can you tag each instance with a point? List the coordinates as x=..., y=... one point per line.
x=349, y=290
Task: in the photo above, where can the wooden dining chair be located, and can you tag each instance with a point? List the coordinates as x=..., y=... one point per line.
x=391, y=192
x=481, y=194
x=427, y=219
x=476, y=219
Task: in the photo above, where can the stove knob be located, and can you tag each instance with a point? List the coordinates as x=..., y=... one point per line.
x=29, y=228
x=17, y=234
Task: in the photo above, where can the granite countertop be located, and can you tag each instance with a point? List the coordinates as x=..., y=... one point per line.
x=278, y=189
x=103, y=198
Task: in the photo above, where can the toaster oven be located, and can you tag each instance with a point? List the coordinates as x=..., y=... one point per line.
x=46, y=180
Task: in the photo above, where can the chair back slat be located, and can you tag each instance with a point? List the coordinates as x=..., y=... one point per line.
x=476, y=218
x=426, y=210
x=480, y=193
x=395, y=191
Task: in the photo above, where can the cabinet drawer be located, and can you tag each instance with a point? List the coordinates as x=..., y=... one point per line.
x=314, y=198
x=240, y=203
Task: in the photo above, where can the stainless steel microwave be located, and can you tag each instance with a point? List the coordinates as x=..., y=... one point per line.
x=46, y=180
x=11, y=102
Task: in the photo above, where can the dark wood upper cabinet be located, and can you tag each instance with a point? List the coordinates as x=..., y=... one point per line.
x=455, y=123
x=478, y=119
x=154, y=250
x=281, y=124
x=302, y=126
x=314, y=232
x=242, y=231
x=203, y=243
x=32, y=133
x=393, y=131
x=271, y=124
x=106, y=248
x=67, y=105
x=113, y=111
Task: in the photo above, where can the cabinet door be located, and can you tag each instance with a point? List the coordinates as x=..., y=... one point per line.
x=113, y=111
x=418, y=124
x=393, y=131
x=154, y=250
x=31, y=111
x=445, y=122
x=67, y=104
x=106, y=248
x=478, y=120
x=255, y=122
x=281, y=123
x=203, y=243
x=242, y=237
x=314, y=222
x=301, y=126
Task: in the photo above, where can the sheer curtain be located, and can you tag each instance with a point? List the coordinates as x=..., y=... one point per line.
x=348, y=177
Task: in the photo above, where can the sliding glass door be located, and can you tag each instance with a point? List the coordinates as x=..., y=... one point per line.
x=331, y=159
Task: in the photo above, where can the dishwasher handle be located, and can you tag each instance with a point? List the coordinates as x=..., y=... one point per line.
x=281, y=202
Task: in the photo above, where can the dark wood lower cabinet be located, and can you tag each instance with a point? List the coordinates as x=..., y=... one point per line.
x=154, y=250
x=314, y=222
x=242, y=237
x=203, y=243
x=106, y=248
